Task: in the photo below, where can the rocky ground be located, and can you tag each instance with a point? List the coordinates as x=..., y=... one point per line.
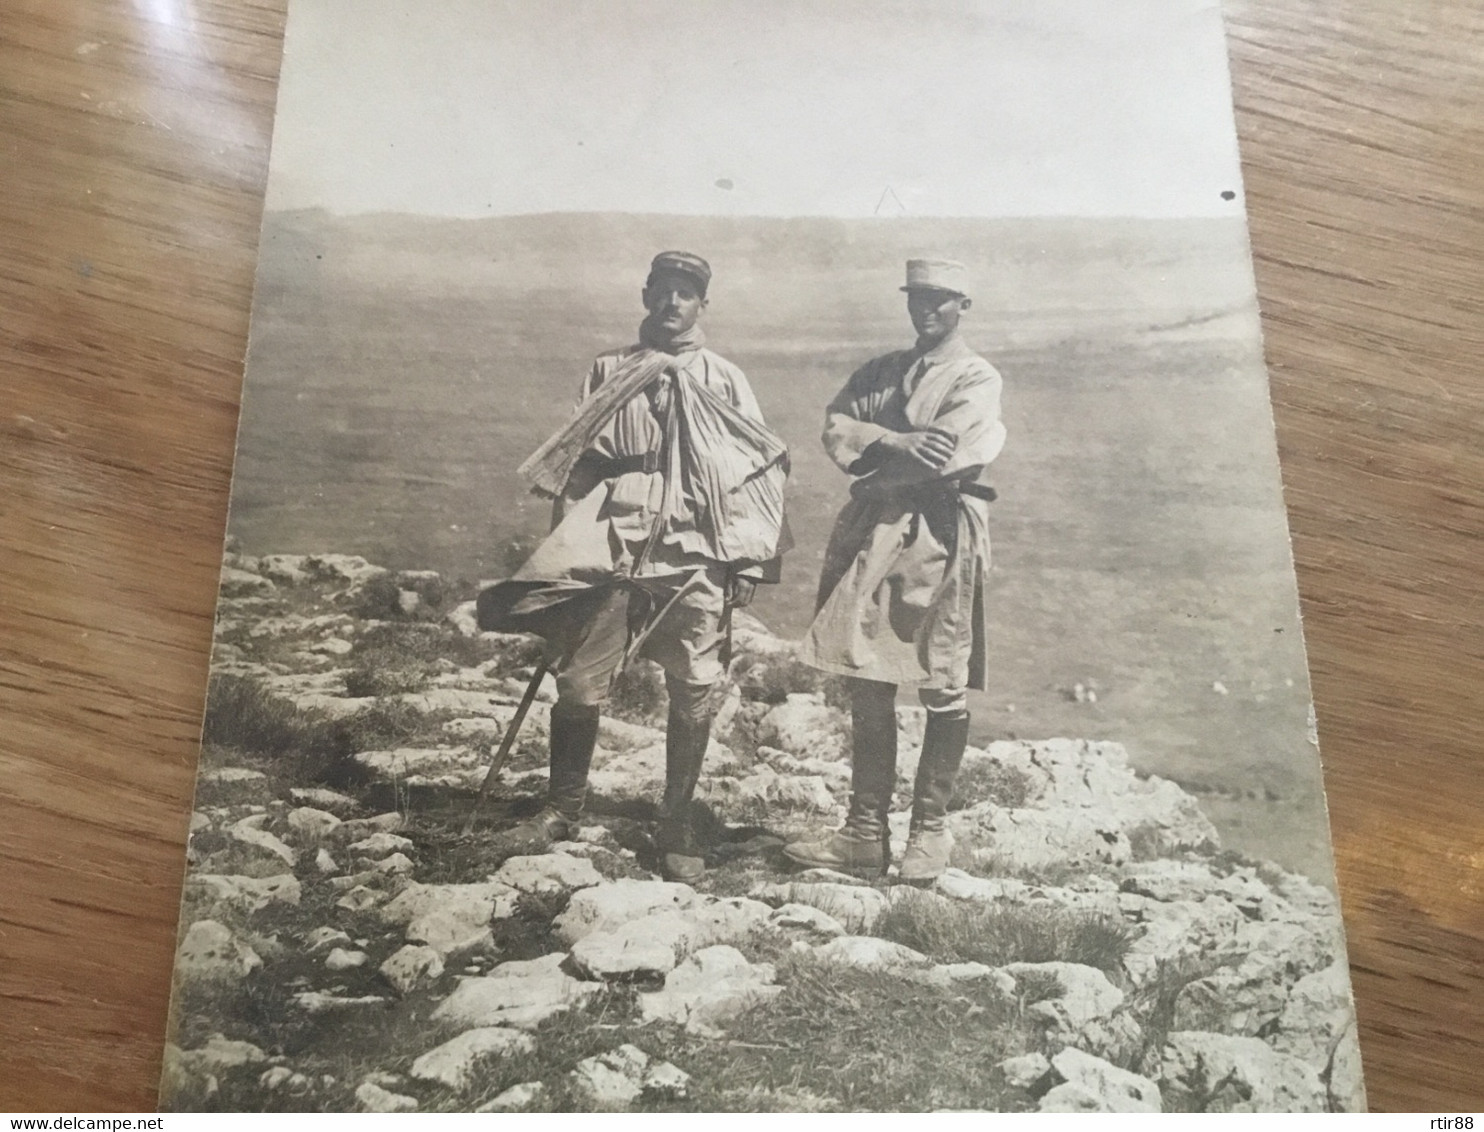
x=345, y=947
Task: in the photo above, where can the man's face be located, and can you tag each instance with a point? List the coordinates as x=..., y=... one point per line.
x=674, y=301
x=935, y=314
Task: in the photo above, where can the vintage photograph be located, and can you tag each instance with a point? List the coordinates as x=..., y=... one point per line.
x=757, y=580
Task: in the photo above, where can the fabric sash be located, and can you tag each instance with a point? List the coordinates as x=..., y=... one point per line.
x=550, y=466
x=725, y=475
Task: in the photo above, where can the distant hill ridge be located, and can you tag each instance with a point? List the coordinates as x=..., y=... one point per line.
x=1165, y=271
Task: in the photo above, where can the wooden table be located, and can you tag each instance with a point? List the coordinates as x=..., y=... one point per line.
x=135, y=144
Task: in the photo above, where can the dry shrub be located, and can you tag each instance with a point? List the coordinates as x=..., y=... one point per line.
x=968, y=932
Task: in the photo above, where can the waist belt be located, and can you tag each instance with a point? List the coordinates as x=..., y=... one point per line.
x=978, y=491
x=609, y=467
x=924, y=493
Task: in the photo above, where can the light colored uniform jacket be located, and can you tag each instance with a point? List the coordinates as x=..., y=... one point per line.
x=901, y=598
x=707, y=507
x=602, y=522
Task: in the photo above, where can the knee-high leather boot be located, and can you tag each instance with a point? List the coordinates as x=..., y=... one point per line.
x=930, y=843
x=862, y=846
x=574, y=735
x=687, y=734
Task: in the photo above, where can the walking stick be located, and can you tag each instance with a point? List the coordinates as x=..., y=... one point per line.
x=508, y=742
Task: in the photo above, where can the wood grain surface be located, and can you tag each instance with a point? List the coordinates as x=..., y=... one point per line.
x=133, y=155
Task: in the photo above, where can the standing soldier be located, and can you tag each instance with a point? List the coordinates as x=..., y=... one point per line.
x=901, y=599
x=669, y=510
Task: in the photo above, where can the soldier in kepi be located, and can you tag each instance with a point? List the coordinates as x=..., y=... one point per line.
x=668, y=512
x=901, y=599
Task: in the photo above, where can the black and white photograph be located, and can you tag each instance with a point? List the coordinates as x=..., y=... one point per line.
x=757, y=580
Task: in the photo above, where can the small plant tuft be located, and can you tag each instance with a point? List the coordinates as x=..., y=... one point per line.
x=1017, y=933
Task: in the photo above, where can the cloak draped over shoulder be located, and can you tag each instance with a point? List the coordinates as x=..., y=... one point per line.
x=674, y=475
x=901, y=597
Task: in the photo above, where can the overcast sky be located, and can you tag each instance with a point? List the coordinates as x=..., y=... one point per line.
x=756, y=107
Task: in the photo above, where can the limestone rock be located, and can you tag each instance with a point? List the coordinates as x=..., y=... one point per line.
x=457, y=766
x=765, y=790
x=1025, y=1071
x=1185, y=930
x=310, y=824
x=183, y=1085
x=666, y=1081
x=371, y=1097
x=232, y=775
x=805, y=725
x=286, y=568
x=869, y=953
x=250, y=831
x=411, y=966
x=325, y=863
x=620, y=735
x=518, y=1098
x=380, y=845
x=360, y=898
x=449, y=917
x=947, y=975
x=1298, y=948
x=857, y=907
x=639, y=774
x=651, y=945
x=548, y=873
x=834, y=773
x=610, y=1081
x=455, y=1062
x=210, y=953
x=245, y=894
x=340, y=959
x=457, y=701
x=336, y=568
x=608, y=906
x=1204, y=1072
x=475, y=727
x=319, y=1002
x=1090, y=1084
x=521, y=994
x=398, y=864
x=358, y=828
x=712, y=986
x=1245, y=999
x=320, y=938
x=324, y=799
x=750, y=635
x=1170, y=880
x=283, y=1079
x=1083, y=1011
x=465, y=618
x=959, y=885
x=1028, y=840
x=1064, y=776
x=654, y=944
x=220, y=1054
x=808, y=918
x=1318, y=1027
x=241, y=583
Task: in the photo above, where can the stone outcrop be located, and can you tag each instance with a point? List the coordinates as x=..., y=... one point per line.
x=211, y=953
x=1090, y=1084
x=455, y=1062
x=361, y=921
x=1204, y=1072
x=709, y=989
x=521, y=994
